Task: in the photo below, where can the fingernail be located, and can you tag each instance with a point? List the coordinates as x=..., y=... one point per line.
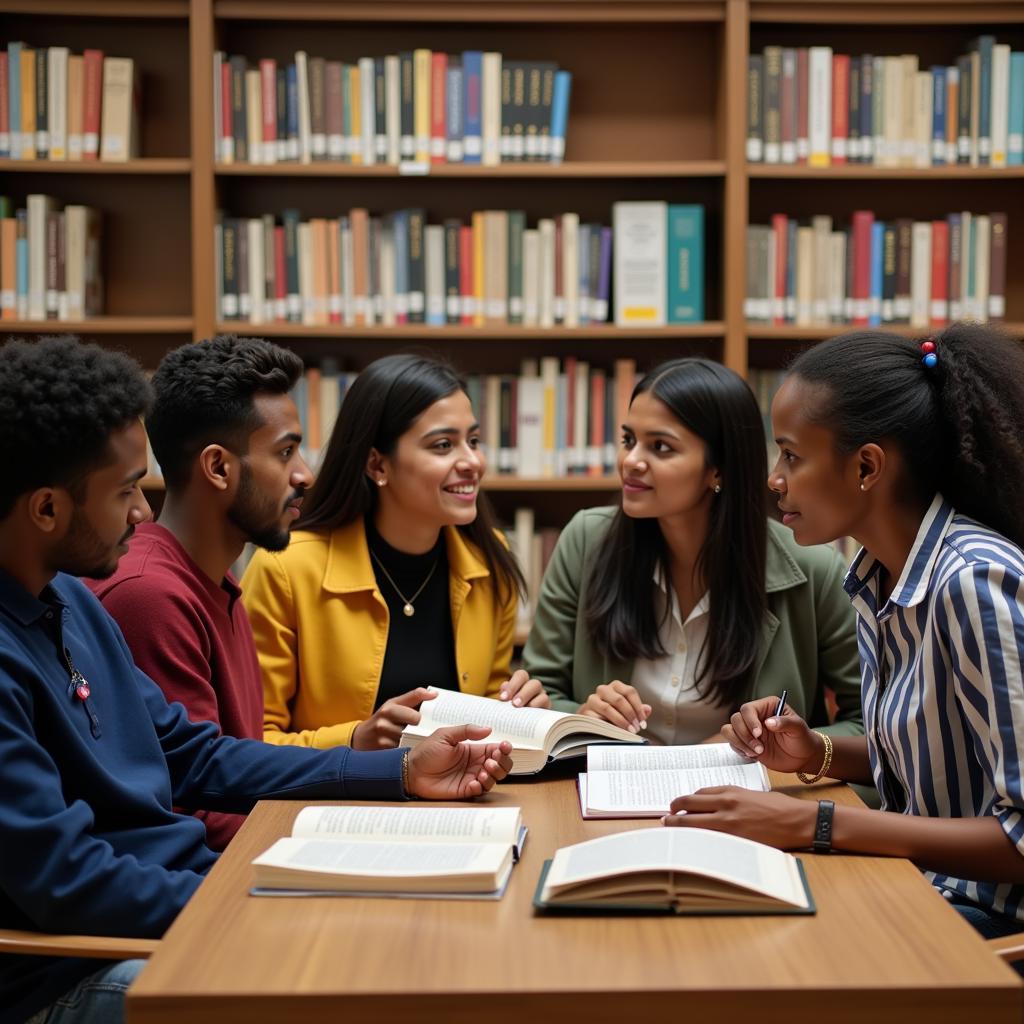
x=757, y=730
x=518, y=702
x=643, y=724
x=504, y=695
x=758, y=749
x=632, y=728
x=636, y=725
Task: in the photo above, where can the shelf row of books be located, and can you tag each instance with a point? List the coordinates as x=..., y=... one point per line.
x=809, y=105
x=58, y=105
x=50, y=265
x=552, y=419
x=874, y=272
x=361, y=269
x=415, y=108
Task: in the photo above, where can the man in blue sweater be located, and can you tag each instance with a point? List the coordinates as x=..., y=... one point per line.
x=92, y=758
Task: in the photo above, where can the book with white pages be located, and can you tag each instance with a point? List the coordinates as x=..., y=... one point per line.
x=537, y=735
x=673, y=870
x=641, y=782
x=425, y=852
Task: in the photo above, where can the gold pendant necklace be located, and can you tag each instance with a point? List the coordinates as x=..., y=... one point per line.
x=407, y=608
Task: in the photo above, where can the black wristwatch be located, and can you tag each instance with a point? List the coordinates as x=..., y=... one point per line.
x=823, y=827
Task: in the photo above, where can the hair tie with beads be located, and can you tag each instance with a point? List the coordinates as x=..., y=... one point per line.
x=929, y=357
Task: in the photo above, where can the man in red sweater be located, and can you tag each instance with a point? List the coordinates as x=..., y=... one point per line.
x=226, y=435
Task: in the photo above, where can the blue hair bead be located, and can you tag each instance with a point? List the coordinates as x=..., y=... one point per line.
x=930, y=360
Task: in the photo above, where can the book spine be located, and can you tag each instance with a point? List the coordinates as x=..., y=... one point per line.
x=51, y=300
x=92, y=70
x=997, y=267
x=254, y=116
x=840, y=107
x=516, y=227
x=862, y=231
x=400, y=227
x=1000, y=103
x=57, y=100
x=14, y=99
x=686, y=264
x=755, y=108
x=472, y=81
x=454, y=113
x=434, y=275
x=518, y=144
x=407, y=106
x=938, y=311
x=42, y=126
x=772, y=104
x=820, y=105
x=452, y=300
x=380, y=111
x=853, y=143
x=1015, y=112
x=803, y=140
x=963, y=131
x=466, y=297
x=268, y=96
x=334, y=112
x=491, y=112
x=955, y=258
x=889, y=274
x=507, y=114
x=367, y=110
x=559, y=115
x=920, y=273
x=438, y=108
x=421, y=104
x=788, y=107
x=984, y=45
x=417, y=268
x=640, y=263
x=28, y=103
x=939, y=96
x=867, y=108
x=548, y=74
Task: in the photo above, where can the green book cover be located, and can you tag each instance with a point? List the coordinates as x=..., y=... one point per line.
x=685, y=264
x=516, y=227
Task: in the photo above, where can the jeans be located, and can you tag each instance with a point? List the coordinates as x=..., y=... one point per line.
x=988, y=924
x=98, y=999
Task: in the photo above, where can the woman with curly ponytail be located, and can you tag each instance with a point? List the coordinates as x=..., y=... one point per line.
x=916, y=449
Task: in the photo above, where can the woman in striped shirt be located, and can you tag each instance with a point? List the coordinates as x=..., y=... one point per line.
x=916, y=449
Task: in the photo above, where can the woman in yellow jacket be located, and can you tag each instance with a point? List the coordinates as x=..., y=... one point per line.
x=395, y=577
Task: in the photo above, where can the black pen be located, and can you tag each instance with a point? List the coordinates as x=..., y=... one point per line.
x=782, y=703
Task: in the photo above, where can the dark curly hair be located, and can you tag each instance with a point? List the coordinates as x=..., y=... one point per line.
x=204, y=395
x=60, y=401
x=958, y=425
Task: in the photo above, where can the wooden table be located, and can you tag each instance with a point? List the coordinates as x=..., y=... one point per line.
x=882, y=946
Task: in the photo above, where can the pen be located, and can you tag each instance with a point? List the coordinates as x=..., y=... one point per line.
x=782, y=703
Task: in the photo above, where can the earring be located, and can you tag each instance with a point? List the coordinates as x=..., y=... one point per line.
x=718, y=488
x=862, y=487
x=381, y=482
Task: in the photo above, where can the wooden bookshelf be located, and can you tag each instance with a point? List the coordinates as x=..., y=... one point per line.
x=496, y=482
x=658, y=112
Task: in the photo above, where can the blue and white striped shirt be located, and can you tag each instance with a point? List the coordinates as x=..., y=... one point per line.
x=942, y=683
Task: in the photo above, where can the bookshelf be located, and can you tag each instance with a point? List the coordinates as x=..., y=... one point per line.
x=658, y=112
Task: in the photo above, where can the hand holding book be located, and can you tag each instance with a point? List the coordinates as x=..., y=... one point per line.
x=523, y=692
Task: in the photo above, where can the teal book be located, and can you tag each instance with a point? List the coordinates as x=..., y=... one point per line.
x=1015, y=134
x=685, y=299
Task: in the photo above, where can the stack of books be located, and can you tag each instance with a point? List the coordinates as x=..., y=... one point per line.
x=809, y=105
x=421, y=106
x=57, y=105
x=872, y=272
x=50, y=266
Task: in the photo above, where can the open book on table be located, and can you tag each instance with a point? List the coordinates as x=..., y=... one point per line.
x=456, y=852
x=537, y=735
x=681, y=870
x=641, y=782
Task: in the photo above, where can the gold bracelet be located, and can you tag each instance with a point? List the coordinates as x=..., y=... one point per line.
x=405, y=774
x=825, y=764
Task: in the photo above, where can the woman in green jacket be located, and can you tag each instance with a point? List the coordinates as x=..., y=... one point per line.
x=669, y=612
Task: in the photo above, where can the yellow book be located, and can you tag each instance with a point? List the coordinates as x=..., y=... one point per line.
x=28, y=103
x=421, y=60
x=356, y=110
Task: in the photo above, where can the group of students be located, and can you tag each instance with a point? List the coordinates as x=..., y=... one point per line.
x=130, y=726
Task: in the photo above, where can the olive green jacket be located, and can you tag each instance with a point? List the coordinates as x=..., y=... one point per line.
x=809, y=635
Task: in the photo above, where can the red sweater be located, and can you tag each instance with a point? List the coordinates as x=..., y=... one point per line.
x=193, y=638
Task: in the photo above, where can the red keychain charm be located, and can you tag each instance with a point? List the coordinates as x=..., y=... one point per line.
x=82, y=690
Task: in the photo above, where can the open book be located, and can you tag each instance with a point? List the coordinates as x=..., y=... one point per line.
x=641, y=782
x=537, y=735
x=688, y=871
x=394, y=851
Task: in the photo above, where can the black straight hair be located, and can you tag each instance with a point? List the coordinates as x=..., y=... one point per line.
x=381, y=405
x=958, y=424
x=714, y=403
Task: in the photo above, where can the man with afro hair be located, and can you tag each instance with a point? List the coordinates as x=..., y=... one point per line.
x=93, y=760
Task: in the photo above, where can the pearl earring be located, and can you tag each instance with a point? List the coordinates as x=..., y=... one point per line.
x=862, y=487
x=718, y=488
x=381, y=482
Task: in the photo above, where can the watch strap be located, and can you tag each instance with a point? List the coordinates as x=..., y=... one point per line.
x=823, y=827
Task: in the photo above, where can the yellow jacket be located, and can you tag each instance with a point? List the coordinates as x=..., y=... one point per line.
x=321, y=629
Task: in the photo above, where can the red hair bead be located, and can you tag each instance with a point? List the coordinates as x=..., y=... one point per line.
x=927, y=347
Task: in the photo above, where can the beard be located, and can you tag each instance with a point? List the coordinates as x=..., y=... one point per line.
x=257, y=516
x=84, y=552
